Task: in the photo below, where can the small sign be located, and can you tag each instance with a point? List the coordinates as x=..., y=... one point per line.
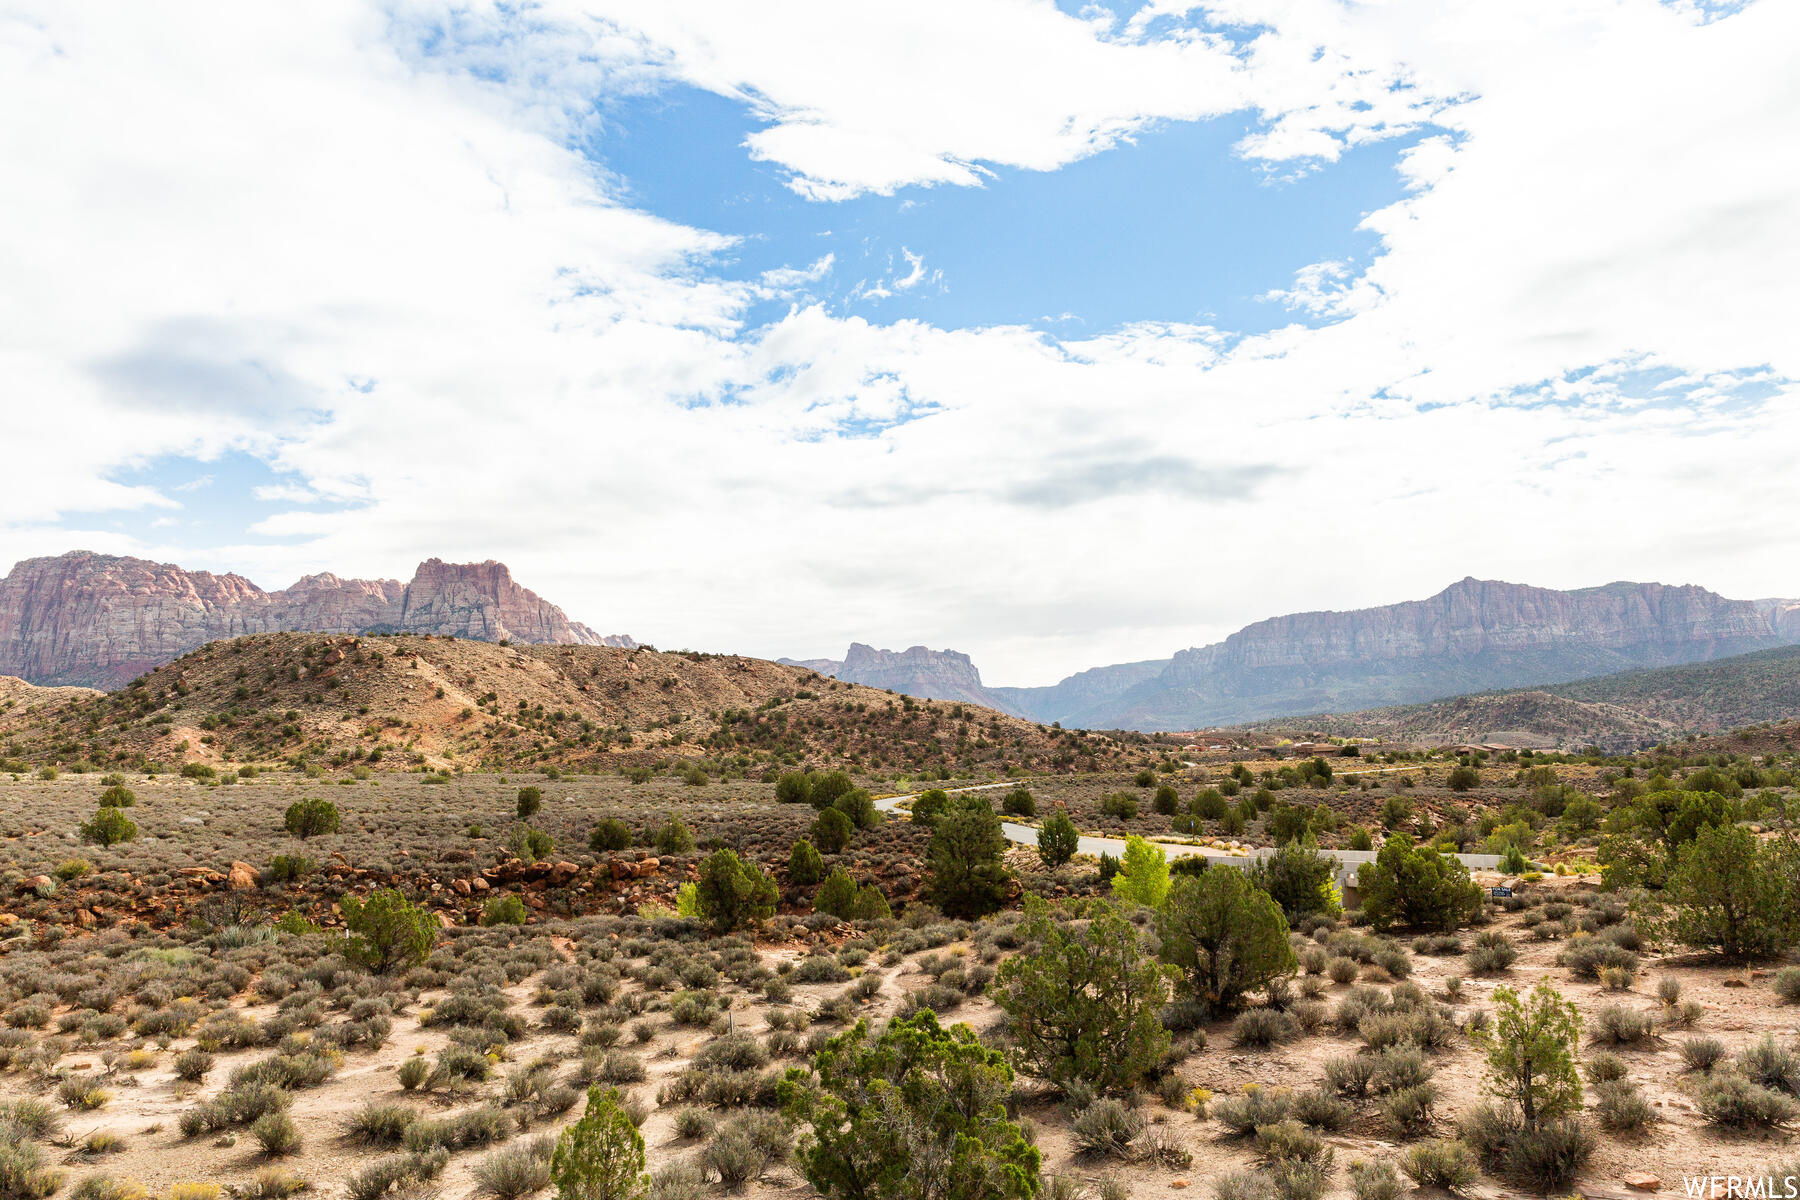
x=1500, y=893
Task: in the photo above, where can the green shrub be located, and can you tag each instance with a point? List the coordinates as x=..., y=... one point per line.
x=387, y=931
x=1437, y=1163
x=24, y=1175
x=929, y=805
x=871, y=904
x=311, y=817
x=1730, y=1100
x=1379, y=1180
x=733, y=893
x=1787, y=984
x=1121, y=805
x=276, y=1133
x=381, y=1124
x=414, y=1073
x=1492, y=953
x=1058, y=839
x=1548, y=1157
x=1263, y=1027
x=530, y=800
x=1143, y=876
x=805, y=866
x=968, y=875
x=825, y=789
x=1531, y=1053
x=1621, y=1107
x=1408, y=1110
x=1544, y=1156
x=1106, y=1129
x=609, y=833
x=945, y=1089
x=504, y=910
x=514, y=1172
x=1615, y=1025
x=837, y=895
x=109, y=827
x=858, y=805
x=1318, y=1108
x=192, y=1065
x=673, y=837
x=1300, y=879
x=1225, y=936
x=289, y=868
x=1254, y=1107
x=1769, y=1064
x=1019, y=803
x=600, y=1156
x=831, y=831
x=1728, y=893
x=1084, y=1001
x=1416, y=886
x=1287, y=1141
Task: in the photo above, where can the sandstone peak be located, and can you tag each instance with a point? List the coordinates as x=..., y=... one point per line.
x=101, y=620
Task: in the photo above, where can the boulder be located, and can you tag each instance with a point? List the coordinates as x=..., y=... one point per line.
x=242, y=877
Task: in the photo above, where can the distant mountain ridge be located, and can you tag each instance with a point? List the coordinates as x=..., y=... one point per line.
x=100, y=620
x=1472, y=636
x=1618, y=713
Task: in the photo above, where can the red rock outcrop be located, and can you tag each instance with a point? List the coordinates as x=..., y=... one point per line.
x=917, y=671
x=102, y=620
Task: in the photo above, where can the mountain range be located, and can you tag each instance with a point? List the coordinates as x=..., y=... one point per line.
x=100, y=620
x=1475, y=635
x=85, y=619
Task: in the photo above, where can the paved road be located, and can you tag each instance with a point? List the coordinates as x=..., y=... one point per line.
x=1025, y=835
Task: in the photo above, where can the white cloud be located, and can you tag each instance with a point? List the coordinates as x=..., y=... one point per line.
x=391, y=278
x=785, y=279
x=916, y=271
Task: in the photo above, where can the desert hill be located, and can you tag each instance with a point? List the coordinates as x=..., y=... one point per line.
x=99, y=620
x=1625, y=711
x=403, y=701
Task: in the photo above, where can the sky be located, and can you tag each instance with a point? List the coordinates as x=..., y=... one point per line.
x=1060, y=334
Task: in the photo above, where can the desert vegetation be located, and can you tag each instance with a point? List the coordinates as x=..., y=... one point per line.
x=682, y=973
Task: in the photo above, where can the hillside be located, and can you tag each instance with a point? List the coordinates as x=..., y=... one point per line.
x=16, y=693
x=1616, y=712
x=401, y=701
x=99, y=620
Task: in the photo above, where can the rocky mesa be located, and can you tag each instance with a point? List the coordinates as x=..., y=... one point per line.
x=99, y=620
x=1474, y=635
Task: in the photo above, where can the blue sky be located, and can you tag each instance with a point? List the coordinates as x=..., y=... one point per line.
x=1060, y=334
x=1172, y=226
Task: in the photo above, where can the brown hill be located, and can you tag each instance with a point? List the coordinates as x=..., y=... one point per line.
x=16, y=693
x=1627, y=711
x=101, y=620
x=401, y=701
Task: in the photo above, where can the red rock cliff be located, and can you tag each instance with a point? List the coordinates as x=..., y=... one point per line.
x=102, y=620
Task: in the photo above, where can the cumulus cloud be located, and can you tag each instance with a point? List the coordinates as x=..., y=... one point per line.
x=364, y=247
